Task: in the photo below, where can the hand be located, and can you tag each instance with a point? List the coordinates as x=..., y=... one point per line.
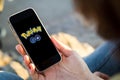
x=71, y=67
x=102, y=75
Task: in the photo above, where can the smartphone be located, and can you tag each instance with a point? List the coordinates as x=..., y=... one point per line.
x=32, y=35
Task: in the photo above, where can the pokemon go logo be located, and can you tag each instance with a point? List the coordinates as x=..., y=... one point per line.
x=30, y=32
x=35, y=39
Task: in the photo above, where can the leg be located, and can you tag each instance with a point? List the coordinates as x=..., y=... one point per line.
x=8, y=76
x=105, y=59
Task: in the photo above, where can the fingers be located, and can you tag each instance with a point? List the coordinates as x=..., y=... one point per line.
x=102, y=75
x=32, y=68
x=20, y=49
x=29, y=65
x=27, y=61
x=65, y=50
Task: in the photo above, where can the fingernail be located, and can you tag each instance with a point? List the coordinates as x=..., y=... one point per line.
x=17, y=46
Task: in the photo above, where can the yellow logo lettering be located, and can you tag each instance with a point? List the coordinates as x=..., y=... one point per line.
x=31, y=31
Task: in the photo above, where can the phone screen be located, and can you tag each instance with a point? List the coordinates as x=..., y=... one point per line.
x=35, y=39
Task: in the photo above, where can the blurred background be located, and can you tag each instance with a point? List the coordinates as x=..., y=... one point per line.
x=58, y=16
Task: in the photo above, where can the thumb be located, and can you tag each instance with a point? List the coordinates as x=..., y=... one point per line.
x=65, y=50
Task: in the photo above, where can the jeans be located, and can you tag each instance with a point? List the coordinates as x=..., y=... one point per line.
x=105, y=59
x=8, y=76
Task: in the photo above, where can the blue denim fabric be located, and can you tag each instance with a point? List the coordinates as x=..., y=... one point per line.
x=9, y=76
x=105, y=58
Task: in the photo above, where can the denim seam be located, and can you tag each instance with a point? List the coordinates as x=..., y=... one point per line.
x=107, y=58
x=103, y=62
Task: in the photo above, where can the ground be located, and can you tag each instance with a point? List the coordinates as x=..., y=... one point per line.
x=57, y=16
